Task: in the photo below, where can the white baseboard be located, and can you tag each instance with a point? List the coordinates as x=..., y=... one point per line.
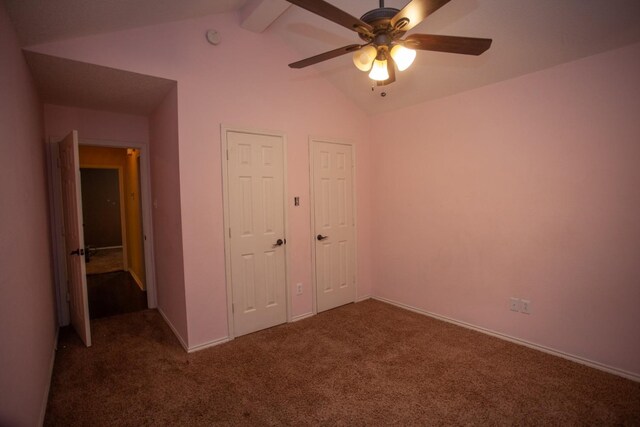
x=173, y=329
x=106, y=247
x=137, y=279
x=208, y=344
x=363, y=298
x=184, y=344
x=593, y=364
x=43, y=410
x=301, y=316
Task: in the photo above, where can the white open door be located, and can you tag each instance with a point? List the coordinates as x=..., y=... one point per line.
x=334, y=224
x=74, y=236
x=256, y=234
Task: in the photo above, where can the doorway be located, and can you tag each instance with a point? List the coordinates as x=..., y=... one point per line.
x=132, y=201
x=112, y=224
x=333, y=223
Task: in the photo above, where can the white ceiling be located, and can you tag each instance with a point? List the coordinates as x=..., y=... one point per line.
x=39, y=21
x=527, y=36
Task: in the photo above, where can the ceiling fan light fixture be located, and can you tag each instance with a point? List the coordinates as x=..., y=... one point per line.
x=363, y=58
x=402, y=56
x=379, y=70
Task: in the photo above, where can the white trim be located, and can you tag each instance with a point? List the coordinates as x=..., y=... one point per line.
x=314, y=285
x=285, y=207
x=208, y=344
x=224, y=129
x=363, y=298
x=583, y=361
x=57, y=231
x=137, y=279
x=173, y=329
x=301, y=316
x=45, y=401
x=226, y=220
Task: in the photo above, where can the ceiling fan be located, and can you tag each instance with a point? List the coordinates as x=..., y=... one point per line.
x=382, y=29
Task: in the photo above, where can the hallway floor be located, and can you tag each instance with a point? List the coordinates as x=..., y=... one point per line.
x=114, y=293
x=105, y=261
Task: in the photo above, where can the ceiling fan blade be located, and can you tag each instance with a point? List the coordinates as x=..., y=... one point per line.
x=416, y=11
x=332, y=13
x=391, y=69
x=451, y=44
x=324, y=56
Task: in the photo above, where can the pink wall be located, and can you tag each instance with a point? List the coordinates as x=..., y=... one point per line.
x=27, y=301
x=167, y=230
x=527, y=188
x=60, y=120
x=243, y=82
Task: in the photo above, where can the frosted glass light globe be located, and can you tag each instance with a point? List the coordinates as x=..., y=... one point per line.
x=404, y=57
x=363, y=58
x=379, y=70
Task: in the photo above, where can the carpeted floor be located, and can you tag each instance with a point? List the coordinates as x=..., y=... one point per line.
x=362, y=364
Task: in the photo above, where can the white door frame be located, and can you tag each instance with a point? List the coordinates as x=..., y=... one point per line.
x=57, y=227
x=224, y=158
x=312, y=198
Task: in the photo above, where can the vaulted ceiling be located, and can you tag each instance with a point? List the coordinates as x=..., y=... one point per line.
x=527, y=36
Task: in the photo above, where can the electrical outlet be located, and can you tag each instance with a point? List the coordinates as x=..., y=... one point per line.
x=514, y=304
x=525, y=307
x=299, y=289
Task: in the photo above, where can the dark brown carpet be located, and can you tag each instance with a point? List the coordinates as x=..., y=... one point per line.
x=114, y=293
x=362, y=364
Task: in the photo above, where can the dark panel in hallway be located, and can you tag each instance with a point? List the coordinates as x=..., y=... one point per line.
x=114, y=293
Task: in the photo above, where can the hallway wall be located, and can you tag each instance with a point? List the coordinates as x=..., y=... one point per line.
x=28, y=324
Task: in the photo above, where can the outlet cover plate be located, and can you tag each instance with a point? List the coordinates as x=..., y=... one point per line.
x=525, y=307
x=514, y=304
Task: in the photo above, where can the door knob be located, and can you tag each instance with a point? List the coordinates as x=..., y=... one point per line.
x=279, y=242
x=77, y=252
x=321, y=237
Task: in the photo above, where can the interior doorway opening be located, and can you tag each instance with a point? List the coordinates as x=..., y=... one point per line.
x=131, y=162
x=112, y=224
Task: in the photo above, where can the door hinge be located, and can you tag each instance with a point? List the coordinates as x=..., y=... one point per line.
x=68, y=297
x=229, y=232
x=227, y=154
x=233, y=308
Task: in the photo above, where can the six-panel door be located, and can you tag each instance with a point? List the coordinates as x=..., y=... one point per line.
x=334, y=220
x=256, y=235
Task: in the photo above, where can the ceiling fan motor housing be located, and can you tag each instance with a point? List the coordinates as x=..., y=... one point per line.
x=380, y=20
